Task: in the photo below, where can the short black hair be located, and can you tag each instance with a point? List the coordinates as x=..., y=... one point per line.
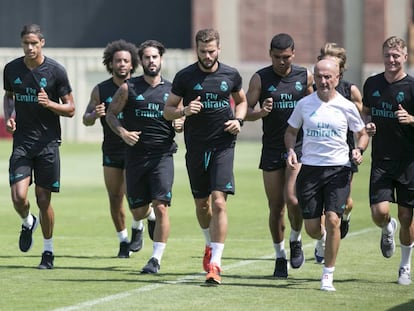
x=151, y=44
x=282, y=41
x=31, y=28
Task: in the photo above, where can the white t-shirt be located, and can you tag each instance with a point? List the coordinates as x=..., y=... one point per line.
x=325, y=125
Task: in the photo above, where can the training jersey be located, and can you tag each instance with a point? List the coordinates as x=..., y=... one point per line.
x=392, y=140
x=325, y=126
x=285, y=91
x=205, y=130
x=34, y=123
x=144, y=112
x=111, y=141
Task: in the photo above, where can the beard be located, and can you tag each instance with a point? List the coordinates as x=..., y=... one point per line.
x=151, y=73
x=121, y=75
x=207, y=67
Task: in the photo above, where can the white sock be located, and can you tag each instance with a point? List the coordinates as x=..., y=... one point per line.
x=158, y=250
x=388, y=228
x=137, y=224
x=28, y=221
x=295, y=236
x=346, y=217
x=216, y=253
x=406, y=252
x=48, y=245
x=280, y=249
x=206, y=233
x=151, y=215
x=328, y=270
x=123, y=235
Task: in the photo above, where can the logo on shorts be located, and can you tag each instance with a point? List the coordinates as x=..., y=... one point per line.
x=229, y=186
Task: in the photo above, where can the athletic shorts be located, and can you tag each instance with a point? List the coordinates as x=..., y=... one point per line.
x=322, y=189
x=43, y=163
x=116, y=160
x=392, y=181
x=210, y=171
x=149, y=178
x=275, y=159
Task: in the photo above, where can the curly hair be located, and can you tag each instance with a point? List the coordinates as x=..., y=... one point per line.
x=116, y=46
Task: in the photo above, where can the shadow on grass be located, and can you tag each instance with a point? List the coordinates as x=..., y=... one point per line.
x=403, y=307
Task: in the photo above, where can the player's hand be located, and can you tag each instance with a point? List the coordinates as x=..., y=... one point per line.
x=100, y=110
x=130, y=138
x=291, y=160
x=194, y=107
x=267, y=106
x=43, y=98
x=357, y=156
x=232, y=126
x=403, y=116
x=371, y=128
x=178, y=124
x=10, y=125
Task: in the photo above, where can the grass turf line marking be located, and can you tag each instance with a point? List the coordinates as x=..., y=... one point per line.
x=184, y=279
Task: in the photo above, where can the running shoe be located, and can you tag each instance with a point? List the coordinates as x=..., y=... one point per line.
x=26, y=235
x=213, y=276
x=388, y=241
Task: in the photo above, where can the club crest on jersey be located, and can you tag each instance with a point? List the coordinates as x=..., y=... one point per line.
x=298, y=86
x=223, y=86
x=165, y=97
x=43, y=82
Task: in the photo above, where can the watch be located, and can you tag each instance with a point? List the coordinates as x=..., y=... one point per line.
x=240, y=121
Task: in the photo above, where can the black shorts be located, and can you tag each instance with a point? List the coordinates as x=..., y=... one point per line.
x=392, y=181
x=210, y=171
x=115, y=159
x=43, y=163
x=275, y=159
x=149, y=178
x=322, y=189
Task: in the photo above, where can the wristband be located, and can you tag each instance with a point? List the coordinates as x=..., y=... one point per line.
x=240, y=121
x=361, y=150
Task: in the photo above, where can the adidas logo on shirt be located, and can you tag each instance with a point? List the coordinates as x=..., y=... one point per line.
x=17, y=81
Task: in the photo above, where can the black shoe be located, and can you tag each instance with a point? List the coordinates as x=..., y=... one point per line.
x=152, y=266
x=344, y=227
x=136, y=240
x=151, y=228
x=26, y=239
x=281, y=270
x=123, y=250
x=47, y=260
x=296, y=254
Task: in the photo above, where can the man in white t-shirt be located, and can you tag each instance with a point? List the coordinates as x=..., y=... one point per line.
x=323, y=183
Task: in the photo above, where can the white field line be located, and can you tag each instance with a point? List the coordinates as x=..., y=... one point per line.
x=184, y=279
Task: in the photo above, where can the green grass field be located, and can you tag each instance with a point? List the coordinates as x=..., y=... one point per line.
x=87, y=276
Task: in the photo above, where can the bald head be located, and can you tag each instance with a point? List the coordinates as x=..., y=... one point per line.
x=326, y=74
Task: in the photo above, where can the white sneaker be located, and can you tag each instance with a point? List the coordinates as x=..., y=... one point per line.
x=327, y=282
x=404, y=276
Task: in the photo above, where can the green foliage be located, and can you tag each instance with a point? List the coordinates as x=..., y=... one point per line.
x=87, y=276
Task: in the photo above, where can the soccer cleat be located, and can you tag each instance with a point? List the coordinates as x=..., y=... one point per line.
x=124, y=250
x=404, y=276
x=281, y=269
x=388, y=242
x=327, y=282
x=26, y=236
x=207, y=258
x=344, y=227
x=296, y=254
x=152, y=266
x=151, y=228
x=213, y=276
x=136, y=240
x=47, y=260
